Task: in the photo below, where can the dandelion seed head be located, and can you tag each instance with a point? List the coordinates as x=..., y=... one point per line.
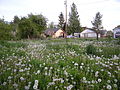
x=27, y=87
x=99, y=80
x=108, y=81
x=84, y=78
x=109, y=87
x=76, y=64
x=115, y=85
x=115, y=80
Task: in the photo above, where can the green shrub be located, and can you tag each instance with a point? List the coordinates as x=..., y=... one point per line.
x=118, y=41
x=90, y=49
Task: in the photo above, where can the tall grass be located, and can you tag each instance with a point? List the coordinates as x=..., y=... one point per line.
x=55, y=65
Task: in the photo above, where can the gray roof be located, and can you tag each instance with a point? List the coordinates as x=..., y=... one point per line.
x=103, y=32
x=50, y=32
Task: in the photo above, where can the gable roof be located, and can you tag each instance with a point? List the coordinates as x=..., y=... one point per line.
x=116, y=28
x=50, y=32
x=103, y=32
x=91, y=30
x=88, y=30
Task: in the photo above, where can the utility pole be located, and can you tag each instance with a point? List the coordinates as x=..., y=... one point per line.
x=66, y=15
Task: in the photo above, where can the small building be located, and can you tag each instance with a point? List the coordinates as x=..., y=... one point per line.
x=88, y=33
x=103, y=33
x=55, y=33
x=116, y=32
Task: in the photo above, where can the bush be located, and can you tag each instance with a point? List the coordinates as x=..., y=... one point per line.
x=90, y=49
x=118, y=41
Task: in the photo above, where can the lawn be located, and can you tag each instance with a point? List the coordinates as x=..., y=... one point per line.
x=60, y=64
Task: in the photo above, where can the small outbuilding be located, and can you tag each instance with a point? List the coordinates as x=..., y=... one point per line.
x=88, y=33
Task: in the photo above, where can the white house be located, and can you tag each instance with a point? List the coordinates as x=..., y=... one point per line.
x=116, y=32
x=88, y=33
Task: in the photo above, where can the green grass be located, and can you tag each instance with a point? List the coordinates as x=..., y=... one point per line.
x=58, y=64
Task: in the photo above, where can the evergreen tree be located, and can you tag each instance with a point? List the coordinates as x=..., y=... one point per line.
x=61, y=20
x=97, y=23
x=74, y=23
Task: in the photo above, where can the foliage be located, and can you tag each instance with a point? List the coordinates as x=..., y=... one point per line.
x=14, y=24
x=118, y=41
x=90, y=49
x=5, y=30
x=53, y=65
x=61, y=20
x=26, y=29
x=74, y=23
x=109, y=34
x=97, y=23
x=31, y=26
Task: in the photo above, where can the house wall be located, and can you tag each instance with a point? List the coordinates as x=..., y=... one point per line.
x=88, y=34
x=58, y=34
x=115, y=31
x=85, y=35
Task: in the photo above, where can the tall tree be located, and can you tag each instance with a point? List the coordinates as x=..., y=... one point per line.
x=15, y=23
x=61, y=20
x=16, y=19
x=39, y=21
x=97, y=23
x=32, y=26
x=5, y=30
x=51, y=25
x=74, y=22
x=25, y=28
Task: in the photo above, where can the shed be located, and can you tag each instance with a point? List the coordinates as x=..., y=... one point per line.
x=88, y=33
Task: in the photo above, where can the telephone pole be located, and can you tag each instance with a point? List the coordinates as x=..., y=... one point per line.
x=66, y=15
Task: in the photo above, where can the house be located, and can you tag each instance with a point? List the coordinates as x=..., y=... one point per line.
x=88, y=33
x=55, y=33
x=103, y=33
x=116, y=32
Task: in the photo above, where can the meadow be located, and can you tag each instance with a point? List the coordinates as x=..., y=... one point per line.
x=60, y=64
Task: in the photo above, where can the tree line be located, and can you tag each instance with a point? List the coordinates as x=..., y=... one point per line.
x=32, y=26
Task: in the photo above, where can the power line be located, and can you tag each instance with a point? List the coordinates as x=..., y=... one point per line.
x=100, y=1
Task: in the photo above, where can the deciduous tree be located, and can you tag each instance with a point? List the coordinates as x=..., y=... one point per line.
x=97, y=23
x=32, y=26
x=5, y=30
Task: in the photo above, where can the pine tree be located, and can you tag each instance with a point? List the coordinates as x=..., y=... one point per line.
x=97, y=23
x=74, y=22
x=61, y=20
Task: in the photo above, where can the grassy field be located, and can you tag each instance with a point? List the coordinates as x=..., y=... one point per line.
x=60, y=64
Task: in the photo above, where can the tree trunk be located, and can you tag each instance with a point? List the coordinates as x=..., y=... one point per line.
x=97, y=36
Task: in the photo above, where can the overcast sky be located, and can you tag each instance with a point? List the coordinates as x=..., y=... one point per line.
x=110, y=9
